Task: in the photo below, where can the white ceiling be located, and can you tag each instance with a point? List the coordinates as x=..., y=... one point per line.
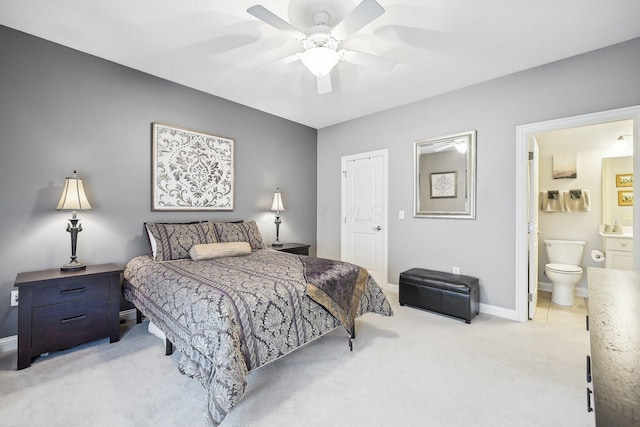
x=215, y=46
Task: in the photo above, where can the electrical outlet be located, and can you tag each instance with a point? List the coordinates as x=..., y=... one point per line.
x=14, y=298
x=456, y=270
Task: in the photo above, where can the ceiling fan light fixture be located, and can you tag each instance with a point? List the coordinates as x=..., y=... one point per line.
x=320, y=60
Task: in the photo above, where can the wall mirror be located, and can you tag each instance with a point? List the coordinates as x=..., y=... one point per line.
x=445, y=177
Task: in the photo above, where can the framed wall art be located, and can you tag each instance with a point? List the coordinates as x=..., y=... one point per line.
x=625, y=198
x=565, y=166
x=624, y=180
x=443, y=185
x=191, y=171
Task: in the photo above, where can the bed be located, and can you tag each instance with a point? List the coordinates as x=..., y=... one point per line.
x=235, y=310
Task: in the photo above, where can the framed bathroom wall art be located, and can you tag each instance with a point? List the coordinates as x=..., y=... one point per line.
x=191, y=171
x=624, y=180
x=565, y=166
x=625, y=198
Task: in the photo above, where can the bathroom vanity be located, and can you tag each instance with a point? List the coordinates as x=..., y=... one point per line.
x=618, y=250
x=618, y=247
x=613, y=365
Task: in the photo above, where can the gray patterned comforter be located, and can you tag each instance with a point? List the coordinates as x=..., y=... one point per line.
x=228, y=316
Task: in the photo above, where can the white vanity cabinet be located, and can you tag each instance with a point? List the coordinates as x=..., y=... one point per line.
x=618, y=250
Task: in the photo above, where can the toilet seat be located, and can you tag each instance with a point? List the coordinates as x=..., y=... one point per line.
x=564, y=268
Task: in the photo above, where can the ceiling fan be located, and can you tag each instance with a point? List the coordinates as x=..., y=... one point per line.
x=321, y=42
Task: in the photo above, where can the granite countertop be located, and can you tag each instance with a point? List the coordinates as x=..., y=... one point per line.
x=614, y=330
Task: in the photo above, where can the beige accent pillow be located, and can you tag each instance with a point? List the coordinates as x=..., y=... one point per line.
x=219, y=250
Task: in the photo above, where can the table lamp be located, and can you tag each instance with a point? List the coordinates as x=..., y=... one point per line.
x=277, y=206
x=73, y=199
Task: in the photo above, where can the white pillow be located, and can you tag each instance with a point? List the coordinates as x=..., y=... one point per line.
x=152, y=243
x=219, y=250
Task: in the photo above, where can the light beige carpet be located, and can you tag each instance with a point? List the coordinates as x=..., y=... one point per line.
x=414, y=369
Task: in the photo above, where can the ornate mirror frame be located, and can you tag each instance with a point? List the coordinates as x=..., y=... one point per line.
x=445, y=176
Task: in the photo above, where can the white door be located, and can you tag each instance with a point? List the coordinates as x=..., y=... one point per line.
x=364, y=212
x=533, y=227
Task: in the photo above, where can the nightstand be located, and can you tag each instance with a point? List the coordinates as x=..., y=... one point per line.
x=293, y=248
x=58, y=309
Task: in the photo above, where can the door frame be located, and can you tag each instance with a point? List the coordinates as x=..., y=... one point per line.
x=532, y=224
x=384, y=153
x=523, y=133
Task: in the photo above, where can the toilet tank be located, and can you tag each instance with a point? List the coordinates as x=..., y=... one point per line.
x=564, y=251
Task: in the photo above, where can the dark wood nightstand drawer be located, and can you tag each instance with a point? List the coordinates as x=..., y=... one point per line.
x=72, y=290
x=60, y=309
x=68, y=324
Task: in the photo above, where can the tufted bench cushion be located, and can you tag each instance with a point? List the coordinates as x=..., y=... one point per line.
x=451, y=294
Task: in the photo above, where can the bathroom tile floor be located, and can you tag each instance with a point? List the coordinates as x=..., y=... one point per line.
x=553, y=314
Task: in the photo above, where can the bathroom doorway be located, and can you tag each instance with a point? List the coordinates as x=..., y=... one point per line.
x=525, y=259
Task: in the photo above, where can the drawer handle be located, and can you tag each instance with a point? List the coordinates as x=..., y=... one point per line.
x=588, y=368
x=589, y=407
x=73, y=319
x=73, y=291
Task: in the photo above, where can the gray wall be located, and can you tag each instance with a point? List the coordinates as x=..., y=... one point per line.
x=62, y=110
x=596, y=81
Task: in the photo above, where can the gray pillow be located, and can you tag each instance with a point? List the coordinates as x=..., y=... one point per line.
x=239, y=232
x=172, y=241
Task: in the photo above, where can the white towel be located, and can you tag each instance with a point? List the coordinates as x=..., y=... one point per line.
x=577, y=201
x=550, y=204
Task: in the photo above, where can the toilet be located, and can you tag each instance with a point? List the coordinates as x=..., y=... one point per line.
x=563, y=269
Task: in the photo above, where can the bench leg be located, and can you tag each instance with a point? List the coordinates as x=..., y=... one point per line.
x=138, y=316
x=168, y=347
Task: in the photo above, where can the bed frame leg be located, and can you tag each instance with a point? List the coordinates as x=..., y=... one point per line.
x=168, y=347
x=138, y=316
x=352, y=336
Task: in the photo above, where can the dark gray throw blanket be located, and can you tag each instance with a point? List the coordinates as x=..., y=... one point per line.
x=336, y=285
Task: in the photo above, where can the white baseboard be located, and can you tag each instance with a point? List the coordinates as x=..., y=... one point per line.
x=10, y=343
x=392, y=287
x=505, y=313
x=128, y=314
x=493, y=310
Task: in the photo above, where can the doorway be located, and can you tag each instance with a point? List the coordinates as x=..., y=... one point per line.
x=364, y=212
x=525, y=134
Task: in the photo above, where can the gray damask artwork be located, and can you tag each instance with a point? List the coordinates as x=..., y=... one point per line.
x=191, y=170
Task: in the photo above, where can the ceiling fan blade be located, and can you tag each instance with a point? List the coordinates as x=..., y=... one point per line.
x=367, y=60
x=275, y=21
x=365, y=12
x=291, y=58
x=324, y=84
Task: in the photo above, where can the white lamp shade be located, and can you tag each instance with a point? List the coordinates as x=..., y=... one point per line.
x=277, y=202
x=73, y=197
x=320, y=60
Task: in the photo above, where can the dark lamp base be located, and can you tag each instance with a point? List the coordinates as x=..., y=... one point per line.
x=73, y=266
x=277, y=244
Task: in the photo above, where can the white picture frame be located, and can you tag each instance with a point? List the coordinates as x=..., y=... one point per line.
x=191, y=170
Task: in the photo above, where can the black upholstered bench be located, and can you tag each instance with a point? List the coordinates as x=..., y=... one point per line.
x=451, y=294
